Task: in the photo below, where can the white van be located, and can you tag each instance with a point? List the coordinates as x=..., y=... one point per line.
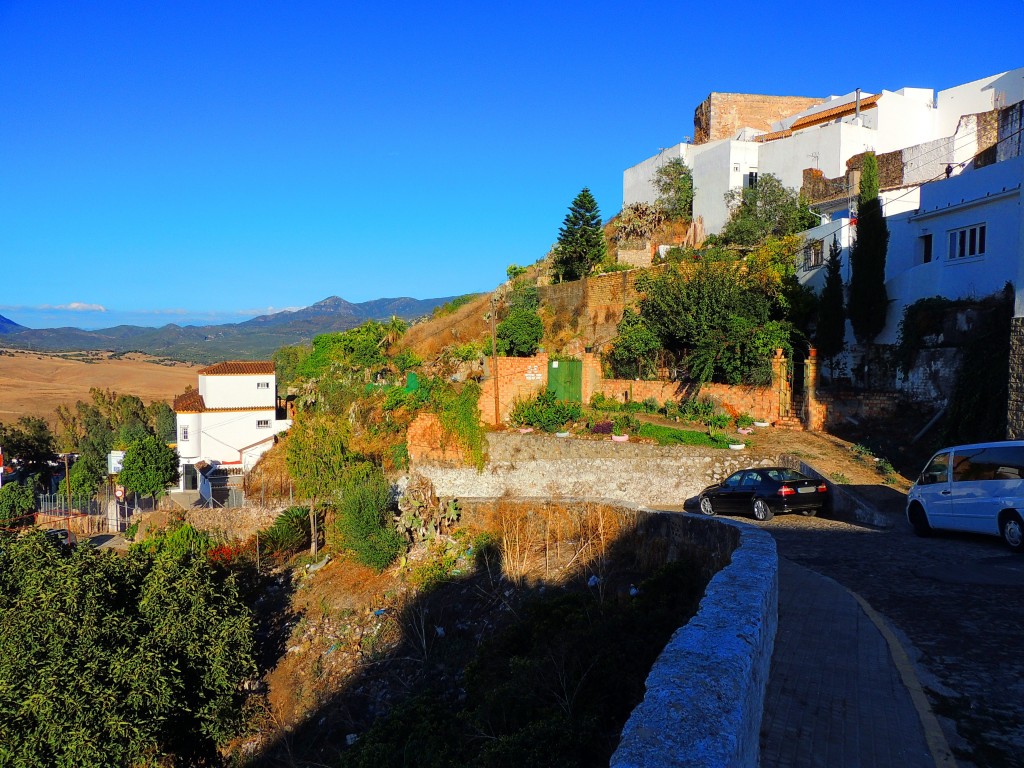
x=977, y=488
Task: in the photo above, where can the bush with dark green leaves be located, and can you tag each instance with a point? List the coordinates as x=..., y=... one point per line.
x=520, y=333
x=118, y=660
x=545, y=411
x=288, y=534
x=363, y=518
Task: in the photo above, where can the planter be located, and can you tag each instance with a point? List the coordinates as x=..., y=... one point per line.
x=745, y=430
x=761, y=424
x=525, y=430
x=562, y=434
x=620, y=438
x=737, y=446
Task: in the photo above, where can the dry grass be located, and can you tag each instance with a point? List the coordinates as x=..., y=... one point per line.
x=465, y=324
x=35, y=383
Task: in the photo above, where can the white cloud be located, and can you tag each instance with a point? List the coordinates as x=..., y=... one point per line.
x=74, y=306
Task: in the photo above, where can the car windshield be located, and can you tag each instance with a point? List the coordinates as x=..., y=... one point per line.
x=785, y=475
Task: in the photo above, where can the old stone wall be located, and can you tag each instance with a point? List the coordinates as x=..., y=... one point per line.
x=848, y=405
x=722, y=115
x=594, y=304
x=705, y=693
x=544, y=466
x=1015, y=405
x=1010, y=130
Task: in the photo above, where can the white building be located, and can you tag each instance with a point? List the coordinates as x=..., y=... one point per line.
x=229, y=420
x=824, y=137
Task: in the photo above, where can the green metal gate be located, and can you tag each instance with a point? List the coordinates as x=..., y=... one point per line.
x=565, y=379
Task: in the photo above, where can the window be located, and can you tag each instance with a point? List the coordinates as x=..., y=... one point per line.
x=262, y=423
x=937, y=470
x=969, y=241
x=996, y=463
x=926, y=248
x=814, y=254
x=262, y=385
x=183, y=433
x=750, y=180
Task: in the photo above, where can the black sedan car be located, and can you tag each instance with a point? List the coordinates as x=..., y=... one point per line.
x=764, y=491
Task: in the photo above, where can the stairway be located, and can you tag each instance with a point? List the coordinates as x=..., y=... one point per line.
x=793, y=422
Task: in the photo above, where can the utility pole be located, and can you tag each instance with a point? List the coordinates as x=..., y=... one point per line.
x=67, y=485
x=494, y=366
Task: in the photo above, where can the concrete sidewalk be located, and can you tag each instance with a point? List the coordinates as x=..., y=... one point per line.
x=841, y=692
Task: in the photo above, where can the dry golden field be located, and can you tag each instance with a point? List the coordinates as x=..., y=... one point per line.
x=35, y=383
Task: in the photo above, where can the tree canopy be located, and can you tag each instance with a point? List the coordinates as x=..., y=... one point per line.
x=764, y=210
x=519, y=334
x=149, y=466
x=29, y=444
x=581, y=242
x=133, y=660
x=674, y=183
x=869, y=301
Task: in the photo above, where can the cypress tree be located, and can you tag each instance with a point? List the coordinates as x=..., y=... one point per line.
x=868, y=299
x=580, y=240
x=831, y=331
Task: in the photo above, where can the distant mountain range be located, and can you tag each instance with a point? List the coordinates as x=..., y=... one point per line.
x=250, y=340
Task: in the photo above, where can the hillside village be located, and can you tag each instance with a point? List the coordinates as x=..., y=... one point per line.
x=394, y=534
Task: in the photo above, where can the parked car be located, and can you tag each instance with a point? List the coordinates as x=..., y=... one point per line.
x=765, y=492
x=62, y=538
x=977, y=488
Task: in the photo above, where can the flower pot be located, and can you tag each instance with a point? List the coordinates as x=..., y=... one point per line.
x=761, y=424
x=620, y=438
x=525, y=430
x=562, y=434
x=737, y=446
x=745, y=430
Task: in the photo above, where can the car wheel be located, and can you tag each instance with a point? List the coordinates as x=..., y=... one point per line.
x=919, y=521
x=705, y=506
x=1012, y=530
x=809, y=512
x=762, y=511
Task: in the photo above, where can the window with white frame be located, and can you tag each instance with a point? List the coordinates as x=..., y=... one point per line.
x=183, y=432
x=814, y=254
x=262, y=423
x=262, y=385
x=967, y=242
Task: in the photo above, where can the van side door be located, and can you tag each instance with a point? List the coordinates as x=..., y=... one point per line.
x=986, y=481
x=933, y=489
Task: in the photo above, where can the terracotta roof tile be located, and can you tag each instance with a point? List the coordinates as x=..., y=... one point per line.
x=190, y=402
x=239, y=368
x=827, y=115
x=773, y=135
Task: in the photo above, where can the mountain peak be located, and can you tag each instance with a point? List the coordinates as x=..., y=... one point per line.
x=9, y=326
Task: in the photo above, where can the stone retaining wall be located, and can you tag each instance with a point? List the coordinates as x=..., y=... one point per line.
x=705, y=693
x=546, y=466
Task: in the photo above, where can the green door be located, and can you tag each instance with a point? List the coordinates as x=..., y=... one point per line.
x=565, y=379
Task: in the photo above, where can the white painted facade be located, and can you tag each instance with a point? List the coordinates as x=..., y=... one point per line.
x=909, y=117
x=230, y=419
x=988, y=197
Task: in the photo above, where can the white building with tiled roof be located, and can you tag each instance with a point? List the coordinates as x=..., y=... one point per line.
x=230, y=419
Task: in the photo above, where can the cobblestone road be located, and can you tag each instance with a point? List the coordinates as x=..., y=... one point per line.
x=957, y=599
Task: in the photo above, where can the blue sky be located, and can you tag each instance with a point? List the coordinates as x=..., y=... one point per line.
x=198, y=162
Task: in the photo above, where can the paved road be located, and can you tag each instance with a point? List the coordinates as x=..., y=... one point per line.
x=956, y=602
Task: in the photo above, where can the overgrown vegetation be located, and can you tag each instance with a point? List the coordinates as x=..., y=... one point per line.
x=133, y=660
x=544, y=411
x=674, y=183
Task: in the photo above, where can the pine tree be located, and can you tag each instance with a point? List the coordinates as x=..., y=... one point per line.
x=580, y=240
x=831, y=331
x=868, y=299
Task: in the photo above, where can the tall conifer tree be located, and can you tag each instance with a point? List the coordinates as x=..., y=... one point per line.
x=580, y=240
x=831, y=331
x=868, y=299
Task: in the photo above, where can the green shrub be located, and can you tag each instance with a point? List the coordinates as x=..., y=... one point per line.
x=697, y=409
x=716, y=422
x=454, y=304
x=544, y=412
x=520, y=333
x=625, y=424
x=288, y=534
x=651, y=405
x=458, y=411
x=601, y=403
x=744, y=421
x=363, y=522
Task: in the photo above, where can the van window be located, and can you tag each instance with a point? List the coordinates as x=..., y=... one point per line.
x=937, y=470
x=1002, y=462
